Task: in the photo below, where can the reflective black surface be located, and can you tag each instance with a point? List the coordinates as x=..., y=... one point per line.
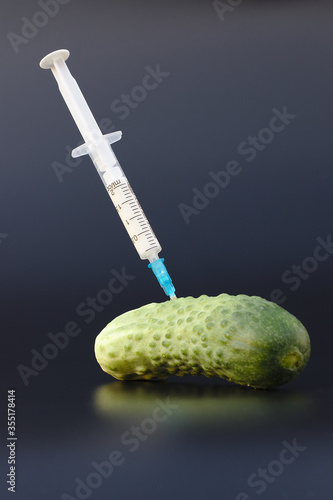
x=187, y=438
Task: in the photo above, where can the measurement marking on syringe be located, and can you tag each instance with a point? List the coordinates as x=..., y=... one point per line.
x=151, y=248
x=143, y=232
x=136, y=217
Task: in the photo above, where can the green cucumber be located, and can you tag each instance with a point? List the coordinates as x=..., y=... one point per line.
x=246, y=340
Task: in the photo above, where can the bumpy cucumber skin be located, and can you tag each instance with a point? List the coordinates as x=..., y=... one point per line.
x=246, y=340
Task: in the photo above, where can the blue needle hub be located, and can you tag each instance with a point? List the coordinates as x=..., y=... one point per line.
x=163, y=277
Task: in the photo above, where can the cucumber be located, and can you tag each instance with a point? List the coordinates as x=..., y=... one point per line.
x=246, y=340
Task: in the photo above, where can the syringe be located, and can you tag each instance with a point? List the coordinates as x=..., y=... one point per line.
x=98, y=146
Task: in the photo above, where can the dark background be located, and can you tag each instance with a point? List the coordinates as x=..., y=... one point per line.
x=60, y=241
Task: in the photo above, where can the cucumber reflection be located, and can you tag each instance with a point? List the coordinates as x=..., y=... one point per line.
x=226, y=405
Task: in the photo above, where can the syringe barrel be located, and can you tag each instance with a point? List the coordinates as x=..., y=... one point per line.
x=134, y=219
